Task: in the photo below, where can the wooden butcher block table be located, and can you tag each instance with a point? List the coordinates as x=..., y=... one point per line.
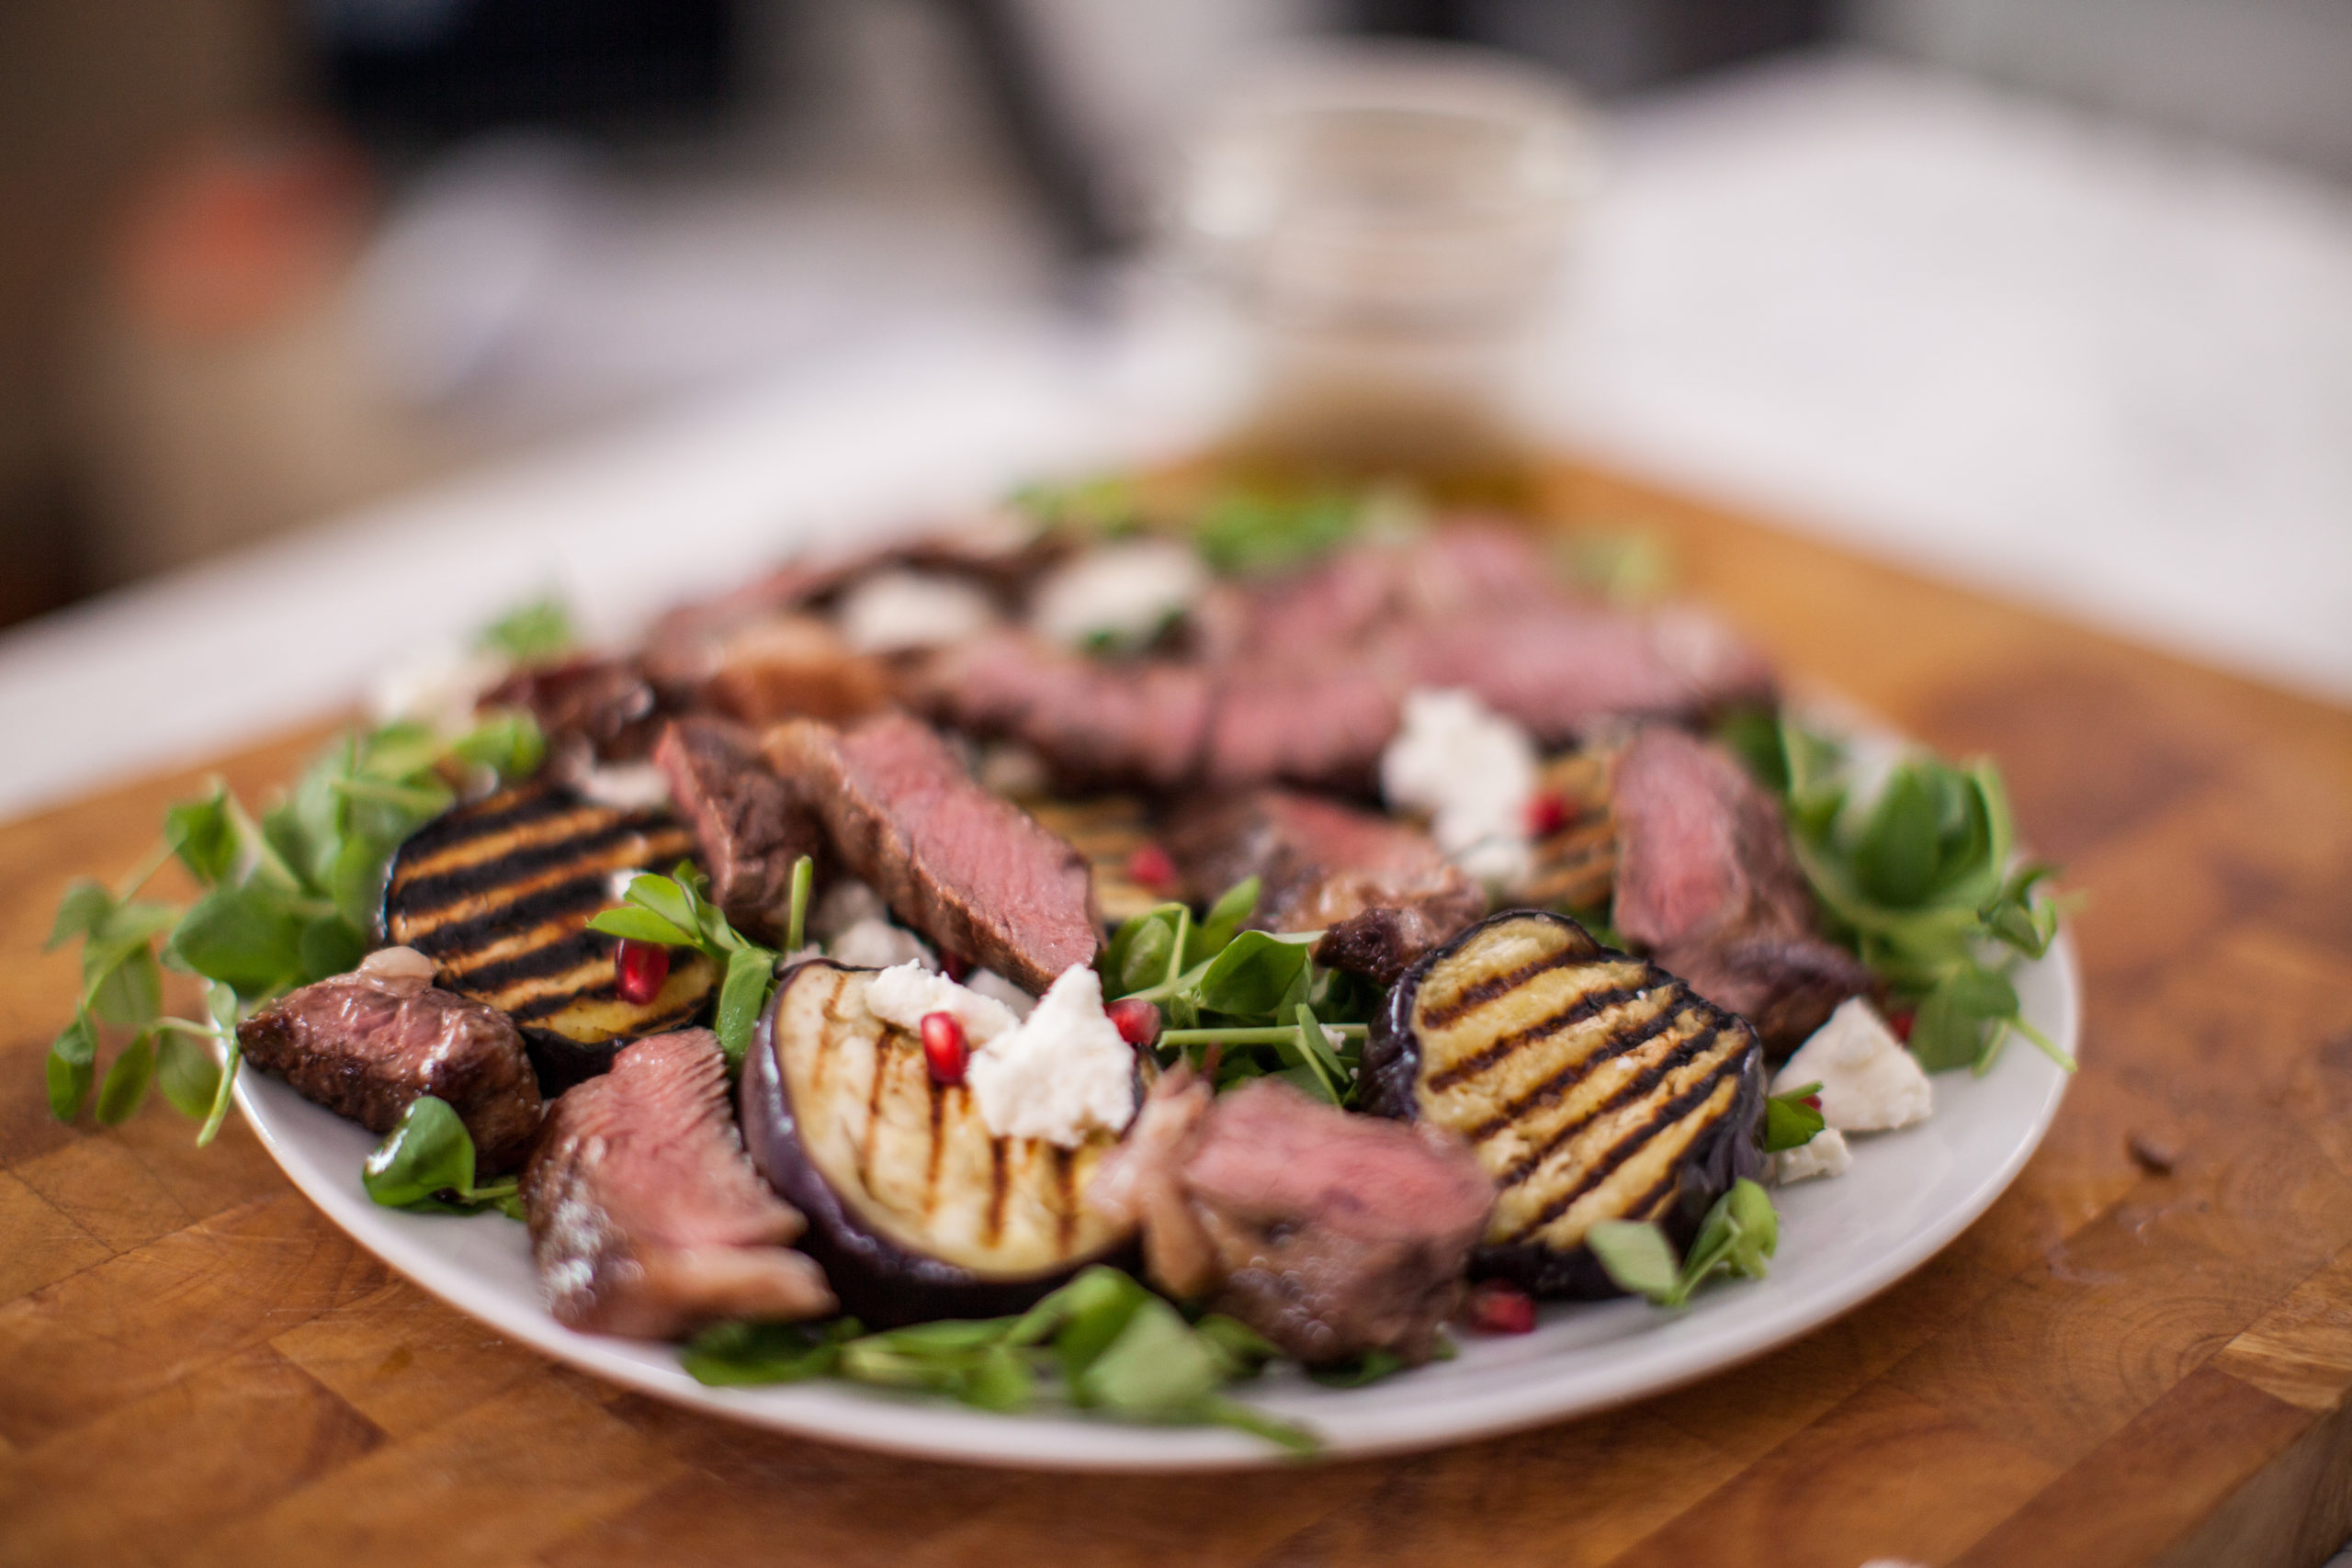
x=2132, y=1359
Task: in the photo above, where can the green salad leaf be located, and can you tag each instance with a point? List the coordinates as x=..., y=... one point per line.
x=1920, y=879
x=1736, y=1237
x=1790, y=1122
x=286, y=899
x=426, y=1165
x=531, y=633
x=1102, y=1342
x=676, y=911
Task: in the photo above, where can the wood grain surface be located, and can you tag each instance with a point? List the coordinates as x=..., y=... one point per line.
x=2122, y=1363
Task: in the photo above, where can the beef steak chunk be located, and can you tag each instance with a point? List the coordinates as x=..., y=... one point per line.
x=968, y=869
x=646, y=1218
x=1330, y=1234
x=1705, y=880
x=749, y=829
x=367, y=1044
x=1318, y=862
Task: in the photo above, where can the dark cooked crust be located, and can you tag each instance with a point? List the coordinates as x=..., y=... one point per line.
x=1727, y=1145
x=364, y=1050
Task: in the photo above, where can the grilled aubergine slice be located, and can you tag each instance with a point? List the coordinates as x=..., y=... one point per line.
x=915, y=1210
x=1592, y=1085
x=499, y=895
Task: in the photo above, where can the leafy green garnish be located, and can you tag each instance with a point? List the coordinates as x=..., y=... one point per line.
x=1103, y=1341
x=1252, y=534
x=674, y=911
x=1919, y=881
x=1736, y=1237
x=427, y=1165
x=1789, y=1122
x=286, y=899
x=531, y=633
x=1258, y=994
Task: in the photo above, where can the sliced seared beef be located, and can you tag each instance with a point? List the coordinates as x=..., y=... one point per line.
x=793, y=666
x=968, y=869
x=602, y=708
x=1315, y=724
x=1330, y=1234
x=647, y=1218
x=367, y=1044
x=748, y=826
x=1560, y=674
x=1142, y=721
x=1318, y=862
x=1706, y=882
x=1380, y=944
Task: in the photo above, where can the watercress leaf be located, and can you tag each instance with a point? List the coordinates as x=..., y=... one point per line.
x=742, y=1353
x=1944, y=1033
x=640, y=924
x=742, y=996
x=1157, y=1366
x=1250, y=978
x=1357, y=1370
x=1099, y=1297
x=508, y=742
x=1234, y=906
x=127, y=1081
x=427, y=1152
x=531, y=633
x=1789, y=1122
x=85, y=905
x=1299, y=1440
x=203, y=834
x=1896, y=859
x=1759, y=1224
x=1000, y=1379
x=1636, y=1257
x=1095, y=1320
x=664, y=897
x=248, y=936
x=1144, y=962
x=185, y=1073
x=70, y=1071
x=131, y=993
x=796, y=926
x=1753, y=735
x=331, y=945
x=287, y=839
x=402, y=751
x=1245, y=1350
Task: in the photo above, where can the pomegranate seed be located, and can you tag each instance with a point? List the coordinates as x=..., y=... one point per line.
x=955, y=965
x=1547, y=813
x=1151, y=868
x=638, y=969
x=1812, y=1099
x=943, y=1046
x=1495, y=1307
x=1901, y=1024
x=1138, y=1021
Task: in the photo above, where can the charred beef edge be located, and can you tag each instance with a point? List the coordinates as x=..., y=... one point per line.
x=1392, y=1069
x=881, y=1284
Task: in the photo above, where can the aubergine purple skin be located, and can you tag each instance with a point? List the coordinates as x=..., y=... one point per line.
x=1680, y=1031
x=880, y=1283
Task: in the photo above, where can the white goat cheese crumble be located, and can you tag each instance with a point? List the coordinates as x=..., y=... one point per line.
x=437, y=686
x=1473, y=772
x=626, y=786
x=1868, y=1082
x=1824, y=1154
x=895, y=611
x=1123, y=592
x=1062, y=1073
x=905, y=993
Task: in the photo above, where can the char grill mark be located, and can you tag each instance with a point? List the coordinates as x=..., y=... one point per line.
x=909, y=1157
x=499, y=895
x=1592, y=1085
